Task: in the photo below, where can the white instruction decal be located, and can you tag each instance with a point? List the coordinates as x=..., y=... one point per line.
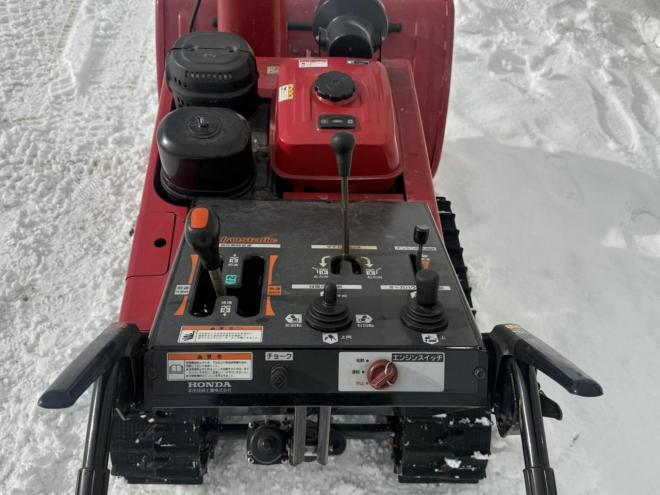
x=310, y=63
x=220, y=334
x=415, y=248
x=182, y=290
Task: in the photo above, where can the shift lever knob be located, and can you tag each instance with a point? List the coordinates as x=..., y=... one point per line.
x=202, y=234
x=343, y=144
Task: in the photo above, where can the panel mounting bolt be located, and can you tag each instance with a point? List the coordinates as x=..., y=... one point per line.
x=479, y=373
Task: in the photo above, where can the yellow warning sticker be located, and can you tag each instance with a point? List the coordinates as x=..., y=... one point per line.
x=285, y=92
x=272, y=70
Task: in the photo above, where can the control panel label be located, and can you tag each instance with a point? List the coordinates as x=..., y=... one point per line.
x=187, y=366
x=415, y=371
x=249, y=242
x=182, y=290
x=220, y=334
x=415, y=248
x=279, y=356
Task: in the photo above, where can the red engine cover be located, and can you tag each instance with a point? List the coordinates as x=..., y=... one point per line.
x=303, y=155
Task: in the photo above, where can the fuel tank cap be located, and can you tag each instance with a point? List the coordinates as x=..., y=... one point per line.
x=334, y=86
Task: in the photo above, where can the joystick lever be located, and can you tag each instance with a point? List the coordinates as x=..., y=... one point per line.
x=202, y=234
x=425, y=313
x=343, y=144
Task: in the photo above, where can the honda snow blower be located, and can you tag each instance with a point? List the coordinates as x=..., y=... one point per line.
x=294, y=280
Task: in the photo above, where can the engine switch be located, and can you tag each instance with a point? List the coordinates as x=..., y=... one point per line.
x=382, y=374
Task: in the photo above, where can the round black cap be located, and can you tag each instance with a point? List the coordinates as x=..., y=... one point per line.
x=335, y=86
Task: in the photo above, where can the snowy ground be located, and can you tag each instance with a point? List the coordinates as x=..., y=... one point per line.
x=552, y=160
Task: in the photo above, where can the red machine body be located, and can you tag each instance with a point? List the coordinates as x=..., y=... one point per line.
x=417, y=61
x=305, y=121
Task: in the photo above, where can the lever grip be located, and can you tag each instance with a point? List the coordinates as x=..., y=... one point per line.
x=513, y=340
x=202, y=234
x=114, y=343
x=343, y=144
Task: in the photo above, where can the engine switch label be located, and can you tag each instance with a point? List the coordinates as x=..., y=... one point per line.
x=416, y=371
x=183, y=366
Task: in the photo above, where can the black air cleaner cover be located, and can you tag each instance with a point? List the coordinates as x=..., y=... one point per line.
x=213, y=69
x=205, y=152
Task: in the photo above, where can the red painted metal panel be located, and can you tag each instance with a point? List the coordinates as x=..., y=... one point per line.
x=154, y=233
x=303, y=155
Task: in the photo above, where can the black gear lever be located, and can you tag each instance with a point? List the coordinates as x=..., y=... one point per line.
x=202, y=234
x=343, y=144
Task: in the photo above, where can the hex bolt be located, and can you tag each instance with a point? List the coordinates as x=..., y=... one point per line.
x=479, y=373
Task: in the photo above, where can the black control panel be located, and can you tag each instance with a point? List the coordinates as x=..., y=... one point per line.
x=295, y=321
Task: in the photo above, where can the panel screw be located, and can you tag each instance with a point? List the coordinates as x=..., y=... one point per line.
x=479, y=373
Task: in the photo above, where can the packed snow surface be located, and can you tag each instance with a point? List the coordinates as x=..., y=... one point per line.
x=552, y=161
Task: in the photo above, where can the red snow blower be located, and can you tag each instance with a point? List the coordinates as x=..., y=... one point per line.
x=294, y=281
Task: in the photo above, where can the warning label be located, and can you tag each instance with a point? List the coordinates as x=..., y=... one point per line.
x=285, y=92
x=220, y=334
x=311, y=63
x=182, y=366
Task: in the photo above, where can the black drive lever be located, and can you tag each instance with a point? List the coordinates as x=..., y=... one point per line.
x=203, y=236
x=343, y=144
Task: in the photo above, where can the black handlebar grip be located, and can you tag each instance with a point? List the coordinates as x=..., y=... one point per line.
x=343, y=144
x=202, y=234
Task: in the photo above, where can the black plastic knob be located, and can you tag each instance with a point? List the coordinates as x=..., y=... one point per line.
x=330, y=294
x=343, y=144
x=421, y=234
x=202, y=234
x=327, y=313
x=427, y=282
x=335, y=86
